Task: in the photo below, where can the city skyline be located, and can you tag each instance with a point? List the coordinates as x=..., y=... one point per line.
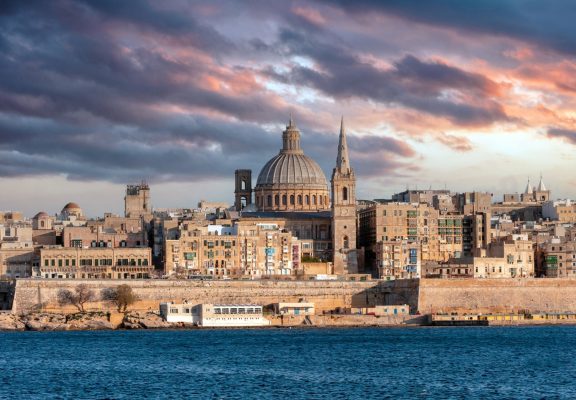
x=94, y=96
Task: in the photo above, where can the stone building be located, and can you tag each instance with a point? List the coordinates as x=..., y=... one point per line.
x=16, y=249
x=563, y=211
x=137, y=201
x=57, y=262
x=244, y=250
x=292, y=190
x=559, y=258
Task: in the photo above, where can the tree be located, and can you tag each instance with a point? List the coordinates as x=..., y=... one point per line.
x=121, y=296
x=81, y=295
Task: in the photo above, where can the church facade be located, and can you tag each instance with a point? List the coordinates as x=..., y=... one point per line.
x=292, y=188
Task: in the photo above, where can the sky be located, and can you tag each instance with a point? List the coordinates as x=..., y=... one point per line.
x=95, y=95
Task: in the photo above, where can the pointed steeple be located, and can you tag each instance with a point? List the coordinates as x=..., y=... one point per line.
x=342, y=161
x=541, y=186
x=528, y=187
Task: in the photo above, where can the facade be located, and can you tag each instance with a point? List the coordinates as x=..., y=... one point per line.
x=291, y=181
x=17, y=255
x=244, y=250
x=563, y=211
x=58, y=262
x=559, y=259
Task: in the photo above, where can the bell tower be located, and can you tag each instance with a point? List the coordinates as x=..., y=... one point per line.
x=344, y=211
x=243, y=188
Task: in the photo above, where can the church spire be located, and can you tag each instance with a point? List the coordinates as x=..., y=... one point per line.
x=541, y=186
x=342, y=161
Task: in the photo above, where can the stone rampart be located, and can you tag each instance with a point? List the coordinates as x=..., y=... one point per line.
x=41, y=294
x=496, y=295
x=425, y=295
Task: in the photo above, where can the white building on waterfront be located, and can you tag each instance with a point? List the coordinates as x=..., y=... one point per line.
x=215, y=315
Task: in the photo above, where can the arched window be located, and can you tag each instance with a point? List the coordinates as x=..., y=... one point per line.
x=346, y=242
x=291, y=199
x=243, y=185
x=307, y=200
x=299, y=199
x=277, y=200
x=314, y=200
x=283, y=199
x=321, y=198
x=42, y=224
x=345, y=193
x=269, y=200
x=326, y=200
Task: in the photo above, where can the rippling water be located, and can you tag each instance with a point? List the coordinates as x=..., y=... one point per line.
x=440, y=363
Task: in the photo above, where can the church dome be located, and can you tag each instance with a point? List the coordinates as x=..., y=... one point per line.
x=291, y=181
x=292, y=169
x=291, y=166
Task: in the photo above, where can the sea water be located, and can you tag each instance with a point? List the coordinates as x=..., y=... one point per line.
x=364, y=363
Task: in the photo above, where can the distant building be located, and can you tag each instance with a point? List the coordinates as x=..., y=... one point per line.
x=94, y=263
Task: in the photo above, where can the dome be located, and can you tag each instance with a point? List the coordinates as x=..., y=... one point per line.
x=291, y=181
x=71, y=206
x=41, y=214
x=292, y=169
x=291, y=166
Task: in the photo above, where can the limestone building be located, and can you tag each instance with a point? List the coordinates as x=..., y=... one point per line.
x=58, y=262
x=137, y=200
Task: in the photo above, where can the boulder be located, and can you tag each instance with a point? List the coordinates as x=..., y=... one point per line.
x=11, y=322
x=89, y=322
x=45, y=322
x=148, y=320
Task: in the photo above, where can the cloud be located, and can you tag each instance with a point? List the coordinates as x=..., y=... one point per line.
x=567, y=135
x=547, y=24
x=465, y=98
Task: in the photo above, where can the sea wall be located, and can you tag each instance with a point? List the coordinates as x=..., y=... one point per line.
x=425, y=295
x=33, y=295
x=496, y=295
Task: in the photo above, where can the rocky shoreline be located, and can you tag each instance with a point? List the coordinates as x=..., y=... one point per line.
x=83, y=321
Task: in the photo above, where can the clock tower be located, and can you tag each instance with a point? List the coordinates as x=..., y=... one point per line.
x=344, y=211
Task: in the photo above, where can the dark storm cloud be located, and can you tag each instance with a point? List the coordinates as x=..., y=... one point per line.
x=79, y=99
x=411, y=82
x=549, y=24
x=564, y=134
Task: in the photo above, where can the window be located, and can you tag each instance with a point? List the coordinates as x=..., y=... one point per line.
x=299, y=199
x=277, y=200
x=346, y=242
x=314, y=199
x=345, y=193
x=307, y=200
x=269, y=200
x=284, y=200
x=291, y=199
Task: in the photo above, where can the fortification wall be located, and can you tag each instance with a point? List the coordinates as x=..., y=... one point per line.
x=496, y=295
x=425, y=295
x=40, y=294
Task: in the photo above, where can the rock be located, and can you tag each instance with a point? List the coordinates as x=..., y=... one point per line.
x=46, y=322
x=11, y=322
x=148, y=320
x=89, y=322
